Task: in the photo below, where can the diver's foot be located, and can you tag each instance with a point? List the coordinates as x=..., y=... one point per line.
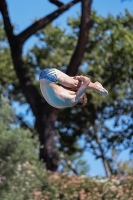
x=98, y=88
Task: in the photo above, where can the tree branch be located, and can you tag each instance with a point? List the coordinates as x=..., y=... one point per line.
x=23, y=36
x=69, y=164
x=83, y=38
x=7, y=24
x=103, y=157
x=57, y=3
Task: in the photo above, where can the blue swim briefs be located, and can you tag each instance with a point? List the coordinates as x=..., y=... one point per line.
x=49, y=74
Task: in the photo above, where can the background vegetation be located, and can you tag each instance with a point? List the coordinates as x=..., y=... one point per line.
x=108, y=58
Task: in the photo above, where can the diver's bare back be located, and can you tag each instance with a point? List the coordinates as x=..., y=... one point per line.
x=56, y=95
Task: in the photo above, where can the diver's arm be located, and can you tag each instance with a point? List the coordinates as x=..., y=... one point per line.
x=84, y=85
x=75, y=98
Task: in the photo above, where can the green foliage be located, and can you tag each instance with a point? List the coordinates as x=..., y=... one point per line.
x=124, y=167
x=20, y=170
x=73, y=164
x=52, y=49
x=106, y=123
x=108, y=59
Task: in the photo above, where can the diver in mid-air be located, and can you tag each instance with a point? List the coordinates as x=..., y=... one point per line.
x=56, y=88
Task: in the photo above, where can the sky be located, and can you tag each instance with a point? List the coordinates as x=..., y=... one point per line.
x=22, y=14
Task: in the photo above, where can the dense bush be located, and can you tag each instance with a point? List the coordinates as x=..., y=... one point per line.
x=66, y=187
x=20, y=169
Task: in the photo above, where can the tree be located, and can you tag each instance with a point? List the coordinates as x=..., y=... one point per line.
x=107, y=57
x=45, y=114
x=102, y=62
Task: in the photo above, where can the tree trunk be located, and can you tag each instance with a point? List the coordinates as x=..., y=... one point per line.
x=104, y=160
x=45, y=114
x=106, y=167
x=45, y=126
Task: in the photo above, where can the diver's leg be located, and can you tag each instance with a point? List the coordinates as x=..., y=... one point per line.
x=75, y=82
x=94, y=86
x=66, y=80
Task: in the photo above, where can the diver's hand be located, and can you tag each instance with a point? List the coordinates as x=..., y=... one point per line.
x=85, y=80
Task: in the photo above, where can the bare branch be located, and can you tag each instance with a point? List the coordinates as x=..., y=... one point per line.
x=83, y=38
x=7, y=24
x=103, y=157
x=23, y=36
x=57, y=3
x=69, y=163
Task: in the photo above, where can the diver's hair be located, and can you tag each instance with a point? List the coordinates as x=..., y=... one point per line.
x=83, y=101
